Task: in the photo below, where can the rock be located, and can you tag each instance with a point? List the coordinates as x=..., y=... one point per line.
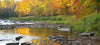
x=71, y=38
x=61, y=36
x=88, y=34
x=25, y=44
x=56, y=32
x=64, y=29
x=18, y=38
x=18, y=44
x=12, y=44
x=69, y=43
x=85, y=34
x=78, y=42
x=92, y=33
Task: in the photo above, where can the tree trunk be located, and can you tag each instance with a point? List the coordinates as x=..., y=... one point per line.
x=98, y=9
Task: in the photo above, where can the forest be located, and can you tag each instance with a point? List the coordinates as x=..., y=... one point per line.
x=80, y=15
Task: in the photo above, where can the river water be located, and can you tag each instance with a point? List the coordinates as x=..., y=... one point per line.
x=39, y=36
x=37, y=33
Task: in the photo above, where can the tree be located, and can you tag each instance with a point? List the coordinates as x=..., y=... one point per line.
x=98, y=5
x=85, y=7
x=7, y=8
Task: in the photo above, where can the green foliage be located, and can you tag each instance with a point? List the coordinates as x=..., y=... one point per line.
x=97, y=1
x=64, y=20
x=96, y=23
x=88, y=23
x=39, y=18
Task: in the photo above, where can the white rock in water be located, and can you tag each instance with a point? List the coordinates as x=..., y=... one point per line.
x=64, y=29
x=85, y=34
x=6, y=22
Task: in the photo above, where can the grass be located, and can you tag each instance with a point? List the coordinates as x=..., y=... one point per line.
x=61, y=19
x=90, y=23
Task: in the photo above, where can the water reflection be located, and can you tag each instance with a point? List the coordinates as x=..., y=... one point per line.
x=42, y=33
x=23, y=31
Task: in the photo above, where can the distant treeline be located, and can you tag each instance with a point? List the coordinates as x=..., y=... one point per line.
x=12, y=8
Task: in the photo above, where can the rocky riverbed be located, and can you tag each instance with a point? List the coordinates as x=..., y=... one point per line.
x=62, y=40
x=11, y=24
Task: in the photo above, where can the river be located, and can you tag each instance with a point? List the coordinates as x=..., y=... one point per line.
x=36, y=33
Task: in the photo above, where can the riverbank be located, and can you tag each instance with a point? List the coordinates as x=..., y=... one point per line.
x=89, y=23
x=60, y=19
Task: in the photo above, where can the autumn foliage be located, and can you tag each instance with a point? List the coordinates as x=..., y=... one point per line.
x=47, y=7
